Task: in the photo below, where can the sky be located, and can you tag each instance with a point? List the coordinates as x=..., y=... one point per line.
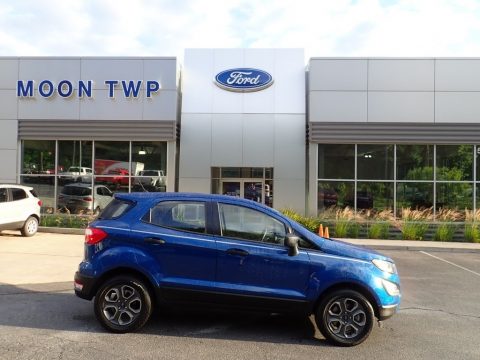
x=350, y=28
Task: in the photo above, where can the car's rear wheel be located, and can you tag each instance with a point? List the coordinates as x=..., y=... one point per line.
x=30, y=226
x=123, y=304
x=345, y=317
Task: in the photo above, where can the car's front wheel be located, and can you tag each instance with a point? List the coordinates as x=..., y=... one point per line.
x=30, y=226
x=345, y=317
x=123, y=304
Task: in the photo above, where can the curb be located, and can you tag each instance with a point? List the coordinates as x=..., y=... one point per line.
x=59, y=230
x=420, y=248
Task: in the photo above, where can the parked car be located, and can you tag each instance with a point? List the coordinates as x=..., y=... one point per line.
x=76, y=174
x=19, y=209
x=155, y=178
x=78, y=197
x=116, y=178
x=146, y=250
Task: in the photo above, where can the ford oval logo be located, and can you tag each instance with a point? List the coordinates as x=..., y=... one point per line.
x=243, y=80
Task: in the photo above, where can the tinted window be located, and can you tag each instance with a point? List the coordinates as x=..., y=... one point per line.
x=34, y=193
x=18, y=194
x=244, y=223
x=3, y=195
x=116, y=208
x=181, y=215
x=76, y=191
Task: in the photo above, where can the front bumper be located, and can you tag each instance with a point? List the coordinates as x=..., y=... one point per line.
x=386, y=312
x=84, y=286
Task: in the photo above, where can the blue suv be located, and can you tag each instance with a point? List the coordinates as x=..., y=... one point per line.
x=152, y=249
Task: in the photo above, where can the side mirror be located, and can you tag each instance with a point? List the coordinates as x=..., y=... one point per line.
x=292, y=243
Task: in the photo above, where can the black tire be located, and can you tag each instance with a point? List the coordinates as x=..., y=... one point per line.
x=123, y=304
x=345, y=317
x=30, y=226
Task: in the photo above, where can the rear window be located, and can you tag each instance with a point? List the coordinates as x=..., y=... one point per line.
x=76, y=191
x=149, y=173
x=34, y=193
x=115, y=209
x=18, y=194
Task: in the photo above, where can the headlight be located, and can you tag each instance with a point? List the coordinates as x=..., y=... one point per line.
x=391, y=288
x=386, y=266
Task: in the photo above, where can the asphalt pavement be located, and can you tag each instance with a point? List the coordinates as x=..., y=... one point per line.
x=40, y=318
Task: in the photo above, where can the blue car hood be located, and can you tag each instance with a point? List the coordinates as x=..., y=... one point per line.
x=341, y=248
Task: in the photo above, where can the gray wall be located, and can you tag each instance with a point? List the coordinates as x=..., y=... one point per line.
x=260, y=129
x=427, y=100
x=162, y=107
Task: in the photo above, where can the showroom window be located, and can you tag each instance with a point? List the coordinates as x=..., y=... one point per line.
x=80, y=176
x=396, y=177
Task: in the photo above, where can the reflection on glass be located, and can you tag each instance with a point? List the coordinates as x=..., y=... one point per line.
x=253, y=191
x=334, y=193
x=148, y=155
x=454, y=162
x=374, y=195
x=268, y=193
x=336, y=161
x=150, y=181
x=415, y=162
x=45, y=191
x=111, y=155
x=414, y=196
x=231, y=188
x=74, y=162
x=82, y=199
x=375, y=162
x=454, y=196
x=38, y=157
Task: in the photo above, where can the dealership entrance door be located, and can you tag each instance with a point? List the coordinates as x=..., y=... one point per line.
x=256, y=183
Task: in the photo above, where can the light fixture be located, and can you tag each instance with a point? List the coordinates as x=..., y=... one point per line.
x=142, y=151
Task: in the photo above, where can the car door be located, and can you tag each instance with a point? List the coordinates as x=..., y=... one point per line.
x=253, y=260
x=20, y=205
x=175, y=233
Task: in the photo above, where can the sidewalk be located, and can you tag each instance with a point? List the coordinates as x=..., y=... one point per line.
x=415, y=245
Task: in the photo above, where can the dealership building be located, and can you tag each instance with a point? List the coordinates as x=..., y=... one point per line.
x=368, y=133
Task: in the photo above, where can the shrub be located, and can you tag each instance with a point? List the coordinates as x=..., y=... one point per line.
x=379, y=230
x=67, y=221
x=341, y=229
x=472, y=233
x=444, y=232
x=412, y=230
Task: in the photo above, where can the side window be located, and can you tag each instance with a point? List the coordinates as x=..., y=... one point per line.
x=180, y=215
x=244, y=223
x=18, y=194
x=3, y=195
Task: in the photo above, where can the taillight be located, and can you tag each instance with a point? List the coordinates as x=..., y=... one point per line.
x=40, y=203
x=94, y=235
x=87, y=199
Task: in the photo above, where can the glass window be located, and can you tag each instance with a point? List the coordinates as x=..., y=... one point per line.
x=3, y=195
x=180, y=215
x=414, y=162
x=38, y=157
x=45, y=188
x=335, y=194
x=374, y=195
x=18, y=194
x=248, y=224
x=414, y=196
x=455, y=196
x=375, y=162
x=336, y=161
x=116, y=208
x=454, y=162
x=75, y=155
x=149, y=166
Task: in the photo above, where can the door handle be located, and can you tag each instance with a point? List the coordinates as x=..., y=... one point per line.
x=238, y=252
x=154, y=240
